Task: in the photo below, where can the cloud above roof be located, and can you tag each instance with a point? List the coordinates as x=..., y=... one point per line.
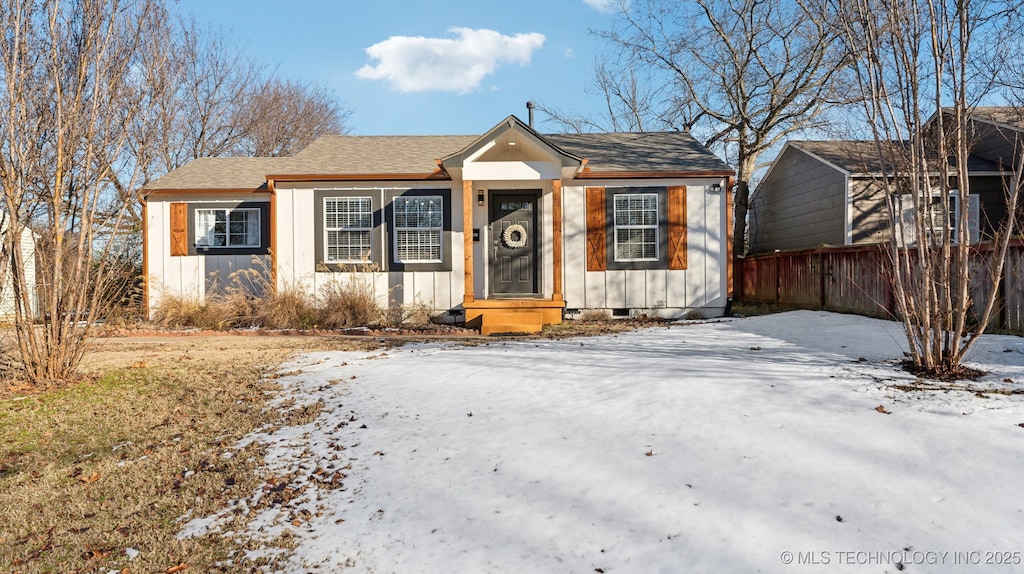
x=419, y=64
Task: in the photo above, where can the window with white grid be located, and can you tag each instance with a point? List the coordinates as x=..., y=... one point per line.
x=227, y=227
x=418, y=227
x=636, y=226
x=348, y=227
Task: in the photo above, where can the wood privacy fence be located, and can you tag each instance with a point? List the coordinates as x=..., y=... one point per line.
x=856, y=280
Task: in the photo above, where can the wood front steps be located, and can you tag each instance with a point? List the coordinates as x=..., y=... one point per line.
x=519, y=316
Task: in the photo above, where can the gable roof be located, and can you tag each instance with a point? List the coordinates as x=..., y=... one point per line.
x=509, y=124
x=417, y=157
x=1008, y=116
x=860, y=157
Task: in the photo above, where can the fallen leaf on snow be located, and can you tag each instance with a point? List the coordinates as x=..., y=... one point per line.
x=881, y=409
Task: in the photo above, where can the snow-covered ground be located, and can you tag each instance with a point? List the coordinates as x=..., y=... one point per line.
x=765, y=444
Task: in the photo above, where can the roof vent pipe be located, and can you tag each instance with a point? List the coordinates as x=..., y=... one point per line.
x=529, y=108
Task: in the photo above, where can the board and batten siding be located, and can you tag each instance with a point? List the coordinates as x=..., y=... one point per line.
x=188, y=276
x=800, y=204
x=658, y=292
x=297, y=241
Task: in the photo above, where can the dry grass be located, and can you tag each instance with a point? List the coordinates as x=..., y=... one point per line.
x=350, y=304
x=106, y=468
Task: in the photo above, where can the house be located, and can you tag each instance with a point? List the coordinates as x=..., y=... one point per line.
x=28, y=253
x=820, y=193
x=502, y=230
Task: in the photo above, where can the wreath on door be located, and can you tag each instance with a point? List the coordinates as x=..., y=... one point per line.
x=514, y=236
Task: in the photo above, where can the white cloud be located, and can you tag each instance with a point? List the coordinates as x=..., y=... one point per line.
x=418, y=64
x=602, y=5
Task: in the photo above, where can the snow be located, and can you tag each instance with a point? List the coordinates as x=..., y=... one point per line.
x=737, y=445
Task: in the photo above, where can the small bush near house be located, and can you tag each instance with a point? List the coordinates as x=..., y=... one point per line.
x=595, y=315
x=349, y=304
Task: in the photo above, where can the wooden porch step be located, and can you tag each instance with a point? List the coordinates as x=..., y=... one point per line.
x=494, y=322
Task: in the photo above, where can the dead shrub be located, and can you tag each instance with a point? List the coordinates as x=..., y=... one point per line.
x=351, y=303
x=176, y=311
x=594, y=315
x=418, y=314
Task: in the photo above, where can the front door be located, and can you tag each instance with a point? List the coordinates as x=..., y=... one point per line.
x=513, y=253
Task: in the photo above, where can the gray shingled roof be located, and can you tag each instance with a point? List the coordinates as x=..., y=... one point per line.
x=1006, y=115
x=861, y=156
x=648, y=151
x=352, y=155
x=220, y=173
x=375, y=154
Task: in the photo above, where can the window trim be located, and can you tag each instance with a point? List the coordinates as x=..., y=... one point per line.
x=445, y=264
x=263, y=220
x=396, y=229
x=616, y=227
x=228, y=212
x=661, y=241
x=375, y=260
x=326, y=230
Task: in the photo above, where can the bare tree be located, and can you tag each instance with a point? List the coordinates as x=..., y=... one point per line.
x=742, y=74
x=67, y=74
x=280, y=117
x=917, y=66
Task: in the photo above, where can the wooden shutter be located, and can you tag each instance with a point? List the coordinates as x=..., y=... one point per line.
x=677, y=227
x=596, y=231
x=179, y=229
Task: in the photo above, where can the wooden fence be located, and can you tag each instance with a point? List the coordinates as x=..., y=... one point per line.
x=856, y=280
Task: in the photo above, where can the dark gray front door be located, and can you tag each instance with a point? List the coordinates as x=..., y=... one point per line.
x=513, y=253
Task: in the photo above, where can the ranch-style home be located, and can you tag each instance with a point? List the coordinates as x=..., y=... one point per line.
x=507, y=231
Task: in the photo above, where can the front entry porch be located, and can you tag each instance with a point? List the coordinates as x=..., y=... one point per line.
x=516, y=303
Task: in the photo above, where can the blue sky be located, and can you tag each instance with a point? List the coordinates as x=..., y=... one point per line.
x=440, y=67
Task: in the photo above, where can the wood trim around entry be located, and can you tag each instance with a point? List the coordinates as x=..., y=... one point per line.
x=467, y=240
x=556, y=239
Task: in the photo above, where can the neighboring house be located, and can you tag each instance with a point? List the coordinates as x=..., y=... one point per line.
x=502, y=229
x=827, y=193
x=28, y=252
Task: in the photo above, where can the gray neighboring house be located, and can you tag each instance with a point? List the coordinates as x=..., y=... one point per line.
x=820, y=193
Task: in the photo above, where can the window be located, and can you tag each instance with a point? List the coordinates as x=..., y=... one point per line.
x=418, y=226
x=636, y=226
x=348, y=226
x=937, y=224
x=228, y=228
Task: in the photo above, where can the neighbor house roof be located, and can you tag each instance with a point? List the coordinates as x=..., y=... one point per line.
x=860, y=157
x=382, y=156
x=1005, y=115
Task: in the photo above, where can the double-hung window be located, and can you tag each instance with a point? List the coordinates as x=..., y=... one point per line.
x=636, y=226
x=348, y=229
x=239, y=227
x=418, y=227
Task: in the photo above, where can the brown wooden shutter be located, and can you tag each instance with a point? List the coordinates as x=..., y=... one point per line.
x=677, y=227
x=179, y=229
x=596, y=231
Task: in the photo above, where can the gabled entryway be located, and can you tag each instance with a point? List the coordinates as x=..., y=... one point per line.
x=512, y=180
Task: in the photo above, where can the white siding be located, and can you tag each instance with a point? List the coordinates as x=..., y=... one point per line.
x=28, y=255
x=702, y=286
x=296, y=243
